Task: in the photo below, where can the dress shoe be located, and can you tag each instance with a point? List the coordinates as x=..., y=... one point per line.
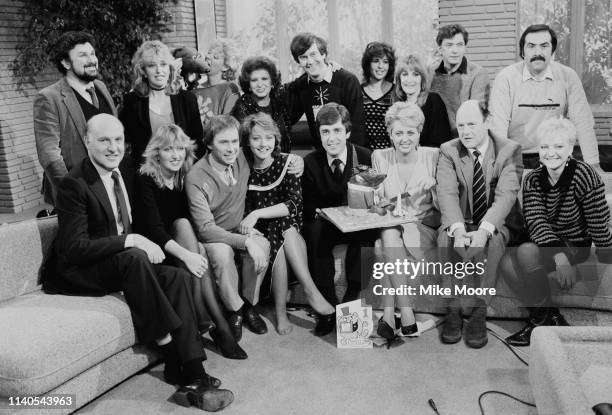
x=411, y=329
x=451, y=328
x=228, y=347
x=557, y=319
x=385, y=330
x=254, y=322
x=235, y=323
x=476, y=329
x=325, y=324
x=176, y=378
x=203, y=396
x=538, y=317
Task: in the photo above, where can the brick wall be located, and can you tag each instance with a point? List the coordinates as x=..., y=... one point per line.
x=20, y=172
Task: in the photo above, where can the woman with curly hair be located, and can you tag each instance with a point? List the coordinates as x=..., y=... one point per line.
x=157, y=99
x=378, y=64
x=412, y=85
x=260, y=82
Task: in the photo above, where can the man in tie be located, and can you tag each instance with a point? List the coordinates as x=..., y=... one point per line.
x=478, y=179
x=324, y=184
x=97, y=254
x=61, y=110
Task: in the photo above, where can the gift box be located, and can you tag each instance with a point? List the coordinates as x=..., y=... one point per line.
x=363, y=188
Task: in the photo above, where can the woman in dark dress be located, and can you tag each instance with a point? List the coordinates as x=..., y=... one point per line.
x=262, y=92
x=157, y=99
x=274, y=208
x=161, y=213
x=412, y=85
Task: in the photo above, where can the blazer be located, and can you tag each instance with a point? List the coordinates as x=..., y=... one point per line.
x=59, y=130
x=503, y=169
x=135, y=118
x=319, y=188
x=87, y=232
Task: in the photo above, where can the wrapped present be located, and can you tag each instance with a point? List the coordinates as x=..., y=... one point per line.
x=363, y=188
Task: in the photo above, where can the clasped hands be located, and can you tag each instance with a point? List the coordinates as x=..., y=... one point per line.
x=470, y=244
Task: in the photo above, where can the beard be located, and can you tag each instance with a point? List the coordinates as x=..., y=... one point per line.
x=86, y=77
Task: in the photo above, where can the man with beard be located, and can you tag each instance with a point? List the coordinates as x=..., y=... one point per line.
x=62, y=110
x=526, y=93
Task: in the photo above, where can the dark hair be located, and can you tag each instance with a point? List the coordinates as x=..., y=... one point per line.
x=251, y=65
x=303, y=41
x=378, y=50
x=331, y=113
x=265, y=122
x=537, y=28
x=217, y=124
x=450, y=31
x=66, y=42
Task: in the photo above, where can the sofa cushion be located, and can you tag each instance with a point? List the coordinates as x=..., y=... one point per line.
x=23, y=246
x=48, y=339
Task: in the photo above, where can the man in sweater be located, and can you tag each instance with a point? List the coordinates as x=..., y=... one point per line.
x=526, y=93
x=456, y=79
x=320, y=85
x=326, y=174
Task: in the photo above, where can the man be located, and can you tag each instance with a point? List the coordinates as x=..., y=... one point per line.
x=478, y=181
x=62, y=109
x=456, y=79
x=96, y=254
x=320, y=85
x=526, y=93
x=326, y=174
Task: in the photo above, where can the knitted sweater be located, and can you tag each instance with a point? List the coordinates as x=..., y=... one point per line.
x=574, y=209
x=469, y=81
x=519, y=106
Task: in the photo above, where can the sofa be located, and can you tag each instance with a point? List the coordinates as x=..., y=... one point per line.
x=56, y=344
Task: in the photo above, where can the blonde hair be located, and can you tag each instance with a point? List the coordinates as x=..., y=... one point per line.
x=167, y=135
x=404, y=112
x=144, y=55
x=412, y=62
x=554, y=127
x=230, y=57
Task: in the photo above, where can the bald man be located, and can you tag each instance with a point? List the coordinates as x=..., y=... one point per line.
x=97, y=254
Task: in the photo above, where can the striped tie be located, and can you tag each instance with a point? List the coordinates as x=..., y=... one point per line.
x=479, y=194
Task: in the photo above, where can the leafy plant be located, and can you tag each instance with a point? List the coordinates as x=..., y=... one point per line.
x=119, y=27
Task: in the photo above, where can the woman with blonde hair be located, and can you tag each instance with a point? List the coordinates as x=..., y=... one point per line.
x=412, y=82
x=157, y=99
x=161, y=214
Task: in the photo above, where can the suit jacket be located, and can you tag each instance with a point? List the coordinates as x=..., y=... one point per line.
x=319, y=188
x=502, y=168
x=87, y=231
x=135, y=118
x=59, y=129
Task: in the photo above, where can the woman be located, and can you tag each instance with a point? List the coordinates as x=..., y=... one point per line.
x=378, y=64
x=218, y=94
x=411, y=172
x=412, y=85
x=565, y=209
x=260, y=82
x=274, y=208
x=162, y=216
x=157, y=99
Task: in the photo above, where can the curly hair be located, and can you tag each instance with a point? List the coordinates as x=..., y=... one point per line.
x=378, y=50
x=251, y=65
x=406, y=112
x=167, y=135
x=144, y=55
x=411, y=63
x=557, y=127
x=266, y=123
x=66, y=42
x=230, y=57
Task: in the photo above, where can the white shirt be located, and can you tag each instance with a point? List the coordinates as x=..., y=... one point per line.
x=342, y=156
x=109, y=185
x=81, y=89
x=546, y=75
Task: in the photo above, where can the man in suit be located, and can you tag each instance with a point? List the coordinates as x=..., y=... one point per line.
x=96, y=254
x=62, y=109
x=478, y=181
x=324, y=184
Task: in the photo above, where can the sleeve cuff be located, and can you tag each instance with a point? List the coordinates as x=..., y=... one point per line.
x=454, y=227
x=487, y=226
x=129, y=241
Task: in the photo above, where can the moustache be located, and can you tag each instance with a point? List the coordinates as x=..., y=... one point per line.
x=537, y=58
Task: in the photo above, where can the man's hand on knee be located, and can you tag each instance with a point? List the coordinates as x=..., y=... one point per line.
x=154, y=252
x=257, y=252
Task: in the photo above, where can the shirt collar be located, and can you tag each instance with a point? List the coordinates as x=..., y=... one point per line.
x=547, y=74
x=462, y=68
x=104, y=174
x=342, y=157
x=482, y=149
x=79, y=87
x=327, y=77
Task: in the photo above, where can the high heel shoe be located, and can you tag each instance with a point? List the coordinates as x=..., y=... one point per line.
x=385, y=331
x=411, y=329
x=228, y=348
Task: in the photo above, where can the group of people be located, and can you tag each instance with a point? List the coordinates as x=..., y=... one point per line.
x=189, y=200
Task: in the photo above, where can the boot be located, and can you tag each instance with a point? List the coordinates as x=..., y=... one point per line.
x=476, y=327
x=452, y=326
x=539, y=316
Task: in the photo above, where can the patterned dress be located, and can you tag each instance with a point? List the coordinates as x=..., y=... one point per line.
x=269, y=187
x=374, y=110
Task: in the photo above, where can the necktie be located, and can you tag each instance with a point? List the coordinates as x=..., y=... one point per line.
x=124, y=216
x=229, y=176
x=94, y=98
x=479, y=194
x=338, y=170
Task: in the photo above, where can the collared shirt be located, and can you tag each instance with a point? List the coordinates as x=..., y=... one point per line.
x=327, y=77
x=482, y=149
x=221, y=169
x=342, y=156
x=109, y=186
x=81, y=88
x=546, y=75
x=462, y=68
